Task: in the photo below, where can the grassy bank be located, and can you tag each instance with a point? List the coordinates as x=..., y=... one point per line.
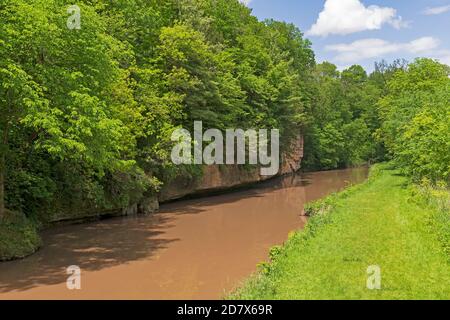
x=385, y=222
x=19, y=237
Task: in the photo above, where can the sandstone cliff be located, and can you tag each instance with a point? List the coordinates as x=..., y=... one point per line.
x=221, y=177
x=214, y=178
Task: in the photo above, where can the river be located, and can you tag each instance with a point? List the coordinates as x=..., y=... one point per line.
x=192, y=249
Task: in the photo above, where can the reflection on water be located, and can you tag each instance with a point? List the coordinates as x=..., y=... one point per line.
x=191, y=249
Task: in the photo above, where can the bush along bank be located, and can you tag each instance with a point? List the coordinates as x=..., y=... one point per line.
x=19, y=237
x=386, y=224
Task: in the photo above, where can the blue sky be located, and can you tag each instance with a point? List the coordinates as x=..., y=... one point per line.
x=348, y=32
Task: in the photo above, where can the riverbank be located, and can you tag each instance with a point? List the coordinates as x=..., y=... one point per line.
x=19, y=237
x=383, y=222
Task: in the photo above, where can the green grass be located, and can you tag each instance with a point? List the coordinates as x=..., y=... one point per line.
x=381, y=222
x=18, y=237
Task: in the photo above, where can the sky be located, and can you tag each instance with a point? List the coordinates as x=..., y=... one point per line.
x=347, y=32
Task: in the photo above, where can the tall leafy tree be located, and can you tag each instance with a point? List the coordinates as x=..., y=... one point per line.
x=57, y=89
x=415, y=115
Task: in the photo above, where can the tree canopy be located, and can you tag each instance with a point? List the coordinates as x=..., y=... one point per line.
x=86, y=113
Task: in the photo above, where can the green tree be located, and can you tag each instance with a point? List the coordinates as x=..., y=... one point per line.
x=57, y=95
x=343, y=119
x=415, y=115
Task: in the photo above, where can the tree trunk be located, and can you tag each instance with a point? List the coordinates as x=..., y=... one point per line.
x=2, y=186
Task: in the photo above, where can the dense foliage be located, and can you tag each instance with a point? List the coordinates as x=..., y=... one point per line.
x=416, y=120
x=86, y=114
x=19, y=237
x=343, y=119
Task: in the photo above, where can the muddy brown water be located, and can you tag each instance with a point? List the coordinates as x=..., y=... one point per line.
x=191, y=249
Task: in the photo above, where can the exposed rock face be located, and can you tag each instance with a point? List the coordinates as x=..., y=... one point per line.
x=214, y=178
x=149, y=205
x=291, y=162
x=221, y=177
x=131, y=210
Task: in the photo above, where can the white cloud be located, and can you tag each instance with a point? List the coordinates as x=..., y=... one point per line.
x=246, y=2
x=350, y=16
x=375, y=48
x=436, y=10
x=445, y=59
x=443, y=56
x=422, y=45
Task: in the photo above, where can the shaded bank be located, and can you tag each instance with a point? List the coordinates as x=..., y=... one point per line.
x=198, y=248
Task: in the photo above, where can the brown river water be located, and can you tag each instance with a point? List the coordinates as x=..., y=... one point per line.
x=192, y=249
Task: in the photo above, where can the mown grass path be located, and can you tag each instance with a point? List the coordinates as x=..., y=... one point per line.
x=378, y=223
